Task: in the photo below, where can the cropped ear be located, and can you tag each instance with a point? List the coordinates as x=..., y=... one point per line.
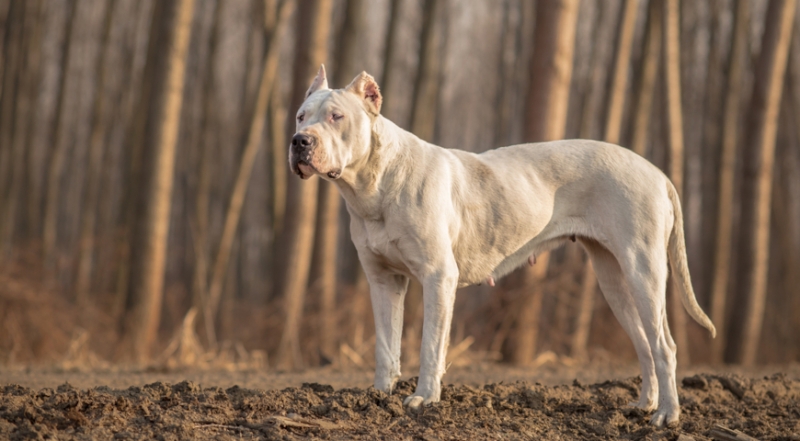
x=367, y=89
x=320, y=81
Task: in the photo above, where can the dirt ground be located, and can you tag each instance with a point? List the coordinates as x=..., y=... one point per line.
x=484, y=401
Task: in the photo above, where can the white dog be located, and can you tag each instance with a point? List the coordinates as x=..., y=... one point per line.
x=452, y=218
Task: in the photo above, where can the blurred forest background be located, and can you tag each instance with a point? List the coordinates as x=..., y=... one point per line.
x=147, y=214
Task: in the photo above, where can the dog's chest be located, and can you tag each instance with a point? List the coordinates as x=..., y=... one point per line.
x=381, y=241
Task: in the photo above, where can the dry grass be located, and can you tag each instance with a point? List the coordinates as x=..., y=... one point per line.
x=40, y=325
x=185, y=351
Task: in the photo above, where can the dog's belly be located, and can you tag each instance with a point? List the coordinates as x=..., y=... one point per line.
x=497, y=262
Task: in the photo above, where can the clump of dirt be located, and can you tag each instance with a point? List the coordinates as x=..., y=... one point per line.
x=767, y=409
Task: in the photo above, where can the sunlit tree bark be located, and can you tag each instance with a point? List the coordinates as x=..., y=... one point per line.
x=323, y=279
x=619, y=80
x=199, y=222
x=616, y=105
x=149, y=292
x=645, y=89
x=314, y=17
x=426, y=88
x=252, y=145
x=546, y=113
x=58, y=154
x=100, y=122
x=757, y=187
x=387, y=76
x=16, y=107
x=727, y=169
x=672, y=77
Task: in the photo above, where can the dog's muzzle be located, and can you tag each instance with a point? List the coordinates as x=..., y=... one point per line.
x=300, y=157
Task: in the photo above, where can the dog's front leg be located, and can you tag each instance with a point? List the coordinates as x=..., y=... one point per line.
x=438, y=296
x=387, y=292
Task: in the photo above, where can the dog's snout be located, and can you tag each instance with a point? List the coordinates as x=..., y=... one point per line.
x=302, y=141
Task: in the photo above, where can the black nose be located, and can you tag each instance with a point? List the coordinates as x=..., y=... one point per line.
x=301, y=141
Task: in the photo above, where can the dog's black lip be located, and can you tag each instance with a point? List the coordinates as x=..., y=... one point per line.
x=296, y=167
x=304, y=162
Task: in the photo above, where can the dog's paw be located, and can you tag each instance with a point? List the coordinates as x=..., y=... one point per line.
x=386, y=384
x=416, y=401
x=647, y=405
x=666, y=417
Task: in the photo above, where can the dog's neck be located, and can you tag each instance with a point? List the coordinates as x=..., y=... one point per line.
x=363, y=187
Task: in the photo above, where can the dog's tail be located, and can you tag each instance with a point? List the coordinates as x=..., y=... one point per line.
x=680, y=268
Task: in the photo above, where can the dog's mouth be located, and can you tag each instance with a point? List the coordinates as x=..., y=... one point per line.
x=305, y=170
x=302, y=167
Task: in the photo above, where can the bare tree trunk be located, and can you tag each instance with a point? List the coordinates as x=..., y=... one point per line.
x=583, y=323
x=277, y=137
x=133, y=146
x=426, y=87
x=349, y=45
x=17, y=104
x=314, y=17
x=200, y=225
x=57, y=159
x=730, y=133
x=546, y=114
x=11, y=54
x=5, y=6
x=95, y=169
x=790, y=191
x=708, y=148
x=387, y=78
x=246, y=165
x=551, y=70
x=596, y=85
x=695, y=40
x=323, y=279
x=672, y=76
x=757, y=192
x=616, y=105
x=149, y=290
x=780, y=312
x=508, y=67
x=622, y=61
x=645, y=90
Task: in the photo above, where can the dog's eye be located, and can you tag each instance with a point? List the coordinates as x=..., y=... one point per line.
x=337, y=116
x=300, y=117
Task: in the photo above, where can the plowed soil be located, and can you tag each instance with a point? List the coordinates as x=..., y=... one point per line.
x=767, y=408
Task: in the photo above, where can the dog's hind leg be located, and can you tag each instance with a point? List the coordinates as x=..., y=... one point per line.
x=645, y=270
x=387, y=292
x=615, y=290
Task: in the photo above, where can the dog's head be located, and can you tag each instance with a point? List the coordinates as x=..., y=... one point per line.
x=334, y=127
